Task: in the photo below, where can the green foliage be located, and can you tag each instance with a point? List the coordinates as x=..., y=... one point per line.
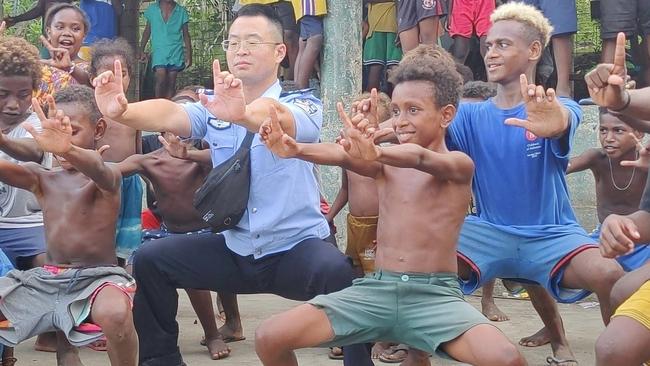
x=588, y=38
x=28, y=30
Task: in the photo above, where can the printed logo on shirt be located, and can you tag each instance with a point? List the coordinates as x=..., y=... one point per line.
x=218, y=124
x=530, y=136
x=306, y=105
x=533, y=146
x=428, y=4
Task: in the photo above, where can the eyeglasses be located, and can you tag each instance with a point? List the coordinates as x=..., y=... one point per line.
x=232, y=46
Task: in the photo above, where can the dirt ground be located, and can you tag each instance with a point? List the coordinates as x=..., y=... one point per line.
x=582, y=321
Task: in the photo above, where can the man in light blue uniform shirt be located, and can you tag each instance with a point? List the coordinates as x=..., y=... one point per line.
x=278, y=245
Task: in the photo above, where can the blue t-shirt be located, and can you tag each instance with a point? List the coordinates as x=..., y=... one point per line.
x=101, y=16
x=284, y=201
x=519, y=180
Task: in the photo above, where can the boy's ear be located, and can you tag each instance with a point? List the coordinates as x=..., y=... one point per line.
x=100, y=129
x=448, y=113
x=535, y=51
x=639, y=135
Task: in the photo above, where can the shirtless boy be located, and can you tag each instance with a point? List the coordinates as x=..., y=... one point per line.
x=176, y=171
x=124, y=142
x=625, y=341
x=618, y=188
x=80, y=202
x=415, y=269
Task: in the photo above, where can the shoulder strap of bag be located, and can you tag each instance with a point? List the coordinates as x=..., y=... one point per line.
x=248, y=140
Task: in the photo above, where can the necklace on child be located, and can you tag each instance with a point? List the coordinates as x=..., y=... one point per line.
x=611, y=174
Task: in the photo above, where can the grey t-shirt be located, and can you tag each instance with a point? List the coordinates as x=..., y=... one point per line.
x=19, y=208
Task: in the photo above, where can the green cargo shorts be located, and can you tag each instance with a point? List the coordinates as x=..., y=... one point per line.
x=423, y=310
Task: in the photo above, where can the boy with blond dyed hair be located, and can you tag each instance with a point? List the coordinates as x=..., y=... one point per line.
x=415, y=274
x=520, y=140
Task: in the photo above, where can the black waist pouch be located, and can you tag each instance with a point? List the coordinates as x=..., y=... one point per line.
x=223, y=197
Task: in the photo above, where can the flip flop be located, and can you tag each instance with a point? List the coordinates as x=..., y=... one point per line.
x=9, y=361
x=338, y=355
x=554, y=361
x=98, y=345
x=392, y=351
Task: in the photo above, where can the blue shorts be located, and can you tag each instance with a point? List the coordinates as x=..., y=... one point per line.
x=632, y=261
x=129, y=223
x=310, y=26
x=177, y=68
x=493, y=252
x=562, y=14
x=22, y=244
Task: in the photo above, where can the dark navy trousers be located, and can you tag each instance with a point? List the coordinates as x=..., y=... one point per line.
x=203, y=261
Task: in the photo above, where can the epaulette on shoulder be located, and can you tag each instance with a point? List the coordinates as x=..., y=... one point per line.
x=296, y=92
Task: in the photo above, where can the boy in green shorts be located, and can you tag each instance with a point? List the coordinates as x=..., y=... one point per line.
x=380, y=51
x=414, y=296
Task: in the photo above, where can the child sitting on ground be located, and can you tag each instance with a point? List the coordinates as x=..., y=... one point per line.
x=124, y=142
x=420, y=185
x=619, y=144
x=80, y=291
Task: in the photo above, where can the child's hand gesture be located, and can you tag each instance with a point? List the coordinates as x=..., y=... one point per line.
x=109, y=92
x=607, y=82
x=369, y=108
x=617, y=236
x=357, y=143
x=546, y=115
x=228, y=103
x=56, y=133
x=60, y=57
x=173, y=145
x=275, y=138
x=643, y=159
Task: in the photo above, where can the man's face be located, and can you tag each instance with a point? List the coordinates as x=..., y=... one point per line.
x=256, y=49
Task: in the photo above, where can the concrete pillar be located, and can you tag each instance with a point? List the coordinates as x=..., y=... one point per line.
x=341, y=81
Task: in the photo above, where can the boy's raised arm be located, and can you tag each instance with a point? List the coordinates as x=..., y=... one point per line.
x=23, y=149
x=56, y=136
x=177, y=149
x=19, y=176
x=583, y=161
x=131, y=165
x=453, y=166
x=284, y=146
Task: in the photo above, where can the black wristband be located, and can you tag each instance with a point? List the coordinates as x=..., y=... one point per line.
x=627, y=104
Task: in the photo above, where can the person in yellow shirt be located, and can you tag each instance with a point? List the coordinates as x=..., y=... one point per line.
x=309, y=14
x=380, y=51
x=285, y=11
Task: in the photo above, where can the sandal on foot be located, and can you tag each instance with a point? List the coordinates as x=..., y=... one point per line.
x=390, y=355
x=9, y=361
x=554, y=361
x=336, y=353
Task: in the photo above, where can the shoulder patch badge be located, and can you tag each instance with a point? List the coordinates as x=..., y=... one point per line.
x=218, y=124
x=306, y=105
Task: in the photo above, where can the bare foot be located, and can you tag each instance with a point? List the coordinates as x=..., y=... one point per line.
x=378, y=349
x=68, y=356
x=492, y=312
x=538, y=339
x=218, y=348
x=416, y=358
x=46, y=342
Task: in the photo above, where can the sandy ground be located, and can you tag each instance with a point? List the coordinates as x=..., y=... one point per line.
x=582, y=321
